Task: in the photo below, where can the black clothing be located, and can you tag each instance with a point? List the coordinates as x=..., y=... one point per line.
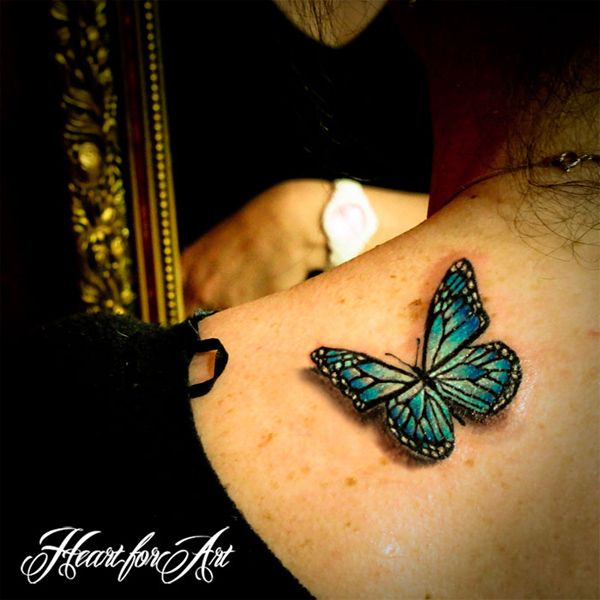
x=99, y=435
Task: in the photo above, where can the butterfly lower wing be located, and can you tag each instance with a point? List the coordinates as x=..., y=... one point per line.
x=367, y=381
x=456, y=316
x=479, y=380
x=422, y=422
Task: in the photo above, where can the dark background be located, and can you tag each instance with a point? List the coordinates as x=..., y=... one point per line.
x=38, y=261
x=252, y=102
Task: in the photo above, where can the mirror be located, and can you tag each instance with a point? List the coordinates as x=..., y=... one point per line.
x=214, y=102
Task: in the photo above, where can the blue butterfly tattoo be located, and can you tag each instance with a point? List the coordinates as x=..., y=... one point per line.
x=454, y=379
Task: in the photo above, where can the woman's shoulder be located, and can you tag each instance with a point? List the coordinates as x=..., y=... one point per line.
x=335, y=493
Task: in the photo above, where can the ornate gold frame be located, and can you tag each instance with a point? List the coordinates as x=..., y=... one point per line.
x=114, y=98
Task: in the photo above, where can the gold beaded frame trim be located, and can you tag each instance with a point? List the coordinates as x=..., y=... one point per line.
x=105, y=204
x=90, y=136
x=153, y=198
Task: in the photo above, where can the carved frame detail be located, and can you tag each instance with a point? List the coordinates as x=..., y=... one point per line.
x=116, y=274
x=90, y=137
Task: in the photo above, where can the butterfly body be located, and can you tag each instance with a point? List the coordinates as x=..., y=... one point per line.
x=423, y=376
x=454, y=379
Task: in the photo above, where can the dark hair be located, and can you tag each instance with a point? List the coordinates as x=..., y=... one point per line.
x=556, y=64
x=546, y=54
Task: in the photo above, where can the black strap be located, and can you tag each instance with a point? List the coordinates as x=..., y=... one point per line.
x=200, y=389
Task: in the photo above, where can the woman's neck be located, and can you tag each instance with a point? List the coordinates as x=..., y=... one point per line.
x=493, y=105
x=477, y=133
x=469, y=135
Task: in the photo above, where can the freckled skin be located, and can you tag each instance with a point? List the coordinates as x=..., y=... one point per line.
x=478, y=524
x=266, y=439
x=417, y=310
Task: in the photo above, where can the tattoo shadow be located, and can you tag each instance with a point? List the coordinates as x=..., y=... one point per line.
x=500, y=420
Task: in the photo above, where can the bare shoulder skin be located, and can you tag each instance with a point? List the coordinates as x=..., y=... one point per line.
x=340, y=503
x=514, y=510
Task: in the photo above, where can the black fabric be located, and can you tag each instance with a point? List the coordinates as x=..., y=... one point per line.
x=201, y=389
x=98, y=434
x=207, y=345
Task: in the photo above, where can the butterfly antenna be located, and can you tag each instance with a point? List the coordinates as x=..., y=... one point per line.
x=417, y=354
x=398, y=359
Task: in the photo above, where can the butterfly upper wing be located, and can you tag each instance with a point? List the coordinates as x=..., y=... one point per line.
x=456, y=316
x=364, y=379
x=455, y=378
x=421, y=421
x=480, y=380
